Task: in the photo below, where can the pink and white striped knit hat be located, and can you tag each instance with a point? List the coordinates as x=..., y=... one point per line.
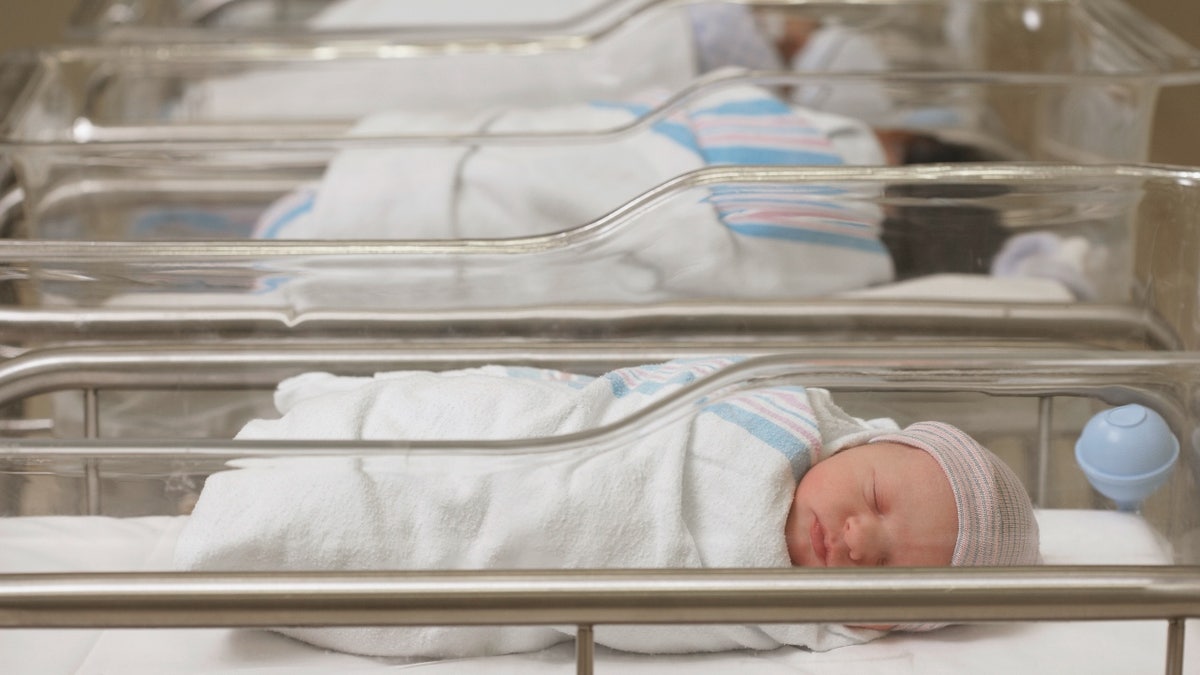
x=996, y=525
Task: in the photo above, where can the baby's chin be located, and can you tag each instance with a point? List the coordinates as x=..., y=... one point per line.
x=797, y=540
x=814, y=563
x=803, y=557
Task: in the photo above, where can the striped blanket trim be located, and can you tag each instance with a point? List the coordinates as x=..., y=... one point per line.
x=754, y=131
x=792, y=214
x=648, y=380
x=761, y=130
x=780, y=417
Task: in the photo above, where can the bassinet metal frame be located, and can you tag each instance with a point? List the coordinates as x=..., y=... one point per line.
x=588, y=598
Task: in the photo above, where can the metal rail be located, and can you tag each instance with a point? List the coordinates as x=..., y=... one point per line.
x=1157, y=380
x=604, y=596
x=794, y=323
x=251, y=366
x=590, y=597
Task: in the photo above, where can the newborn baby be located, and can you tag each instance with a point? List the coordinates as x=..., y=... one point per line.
x=926, y=496
x=769, y=476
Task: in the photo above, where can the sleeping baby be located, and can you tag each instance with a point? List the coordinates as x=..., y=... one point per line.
x=768, y=476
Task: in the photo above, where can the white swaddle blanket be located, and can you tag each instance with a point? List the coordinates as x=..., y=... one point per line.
x=726, y=242
x=500, y=189
x=654, y=50
x=711, y=489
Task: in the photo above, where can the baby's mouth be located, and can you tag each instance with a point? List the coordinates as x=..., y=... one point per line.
x=816, y=535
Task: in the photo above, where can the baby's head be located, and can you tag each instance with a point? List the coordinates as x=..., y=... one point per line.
x=925, y=496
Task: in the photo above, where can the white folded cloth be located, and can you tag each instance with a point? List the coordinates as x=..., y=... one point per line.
x=655, y=50
x=708, y=489
x=498, y=189
x=342, y=14
x=1072, y=261
x=728, y=242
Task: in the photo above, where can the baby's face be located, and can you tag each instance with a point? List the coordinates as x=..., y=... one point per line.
x=873, y=505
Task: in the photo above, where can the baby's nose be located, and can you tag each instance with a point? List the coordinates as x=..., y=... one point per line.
x=863, y=542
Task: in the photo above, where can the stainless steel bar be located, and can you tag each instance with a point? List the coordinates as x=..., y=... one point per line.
x=91, y=465
x=718, y=322
x=987, y=372
x=1045, y=427
x=1068, y=593
x=839, y=369
x=585, y=649
x=1175, y=635
x=159, y=366
x=91, y=413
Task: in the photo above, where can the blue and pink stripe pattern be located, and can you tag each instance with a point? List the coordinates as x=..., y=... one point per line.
x=760, y=130
x=649, y=380
x=794, y=213
x=780, y=417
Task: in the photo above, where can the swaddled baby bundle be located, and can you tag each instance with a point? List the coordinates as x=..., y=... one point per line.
x=709, y=489
x=740, y=241
x=498, y=189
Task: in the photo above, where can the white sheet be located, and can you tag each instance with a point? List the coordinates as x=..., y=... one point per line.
x=654, y=50
x=96, y=544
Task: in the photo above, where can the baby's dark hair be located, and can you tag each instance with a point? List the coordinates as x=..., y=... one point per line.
x=922, y=148
x=925, y=235
x=928, y=236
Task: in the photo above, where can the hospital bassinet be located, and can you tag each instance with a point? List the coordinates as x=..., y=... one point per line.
x=999, y=36
x=1067, y=47
x=1112, y=254
x=1054, y=42
x=1073, y=81
x=142, y=327
x=1028, y=408
x=161, y=139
